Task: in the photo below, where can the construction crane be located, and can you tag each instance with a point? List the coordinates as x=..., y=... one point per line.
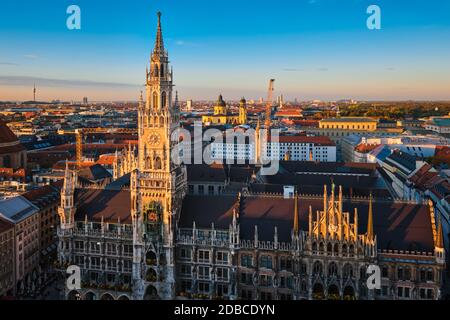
x=79, y=133
x=269, y=102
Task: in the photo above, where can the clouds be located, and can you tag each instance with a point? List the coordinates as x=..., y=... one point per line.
x=48, y=82
x=292, y=69
x=6, y=63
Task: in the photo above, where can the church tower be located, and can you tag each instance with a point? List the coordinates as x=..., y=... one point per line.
x=161, y=183
x=243, y=111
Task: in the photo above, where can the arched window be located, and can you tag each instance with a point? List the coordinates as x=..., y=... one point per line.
x=363, y=272
x=162, y=70
x=303, y=286
x=336, y=249
x=314, y=247
x=348, y=271
x=158, y=163
x=344, y=250
x=155, y=71
x=352, y=250
x=430, y=275
x=317, y=268
x=321, y=247
x=164, y=99
x=407, y=273
x=332, y=269
x=329, y=249
x=155, y=100
x=303, y=268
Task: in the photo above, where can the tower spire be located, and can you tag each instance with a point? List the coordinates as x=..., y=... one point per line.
x=370, y=220
x=159, y=44
x=296, y=212
x=440, y=236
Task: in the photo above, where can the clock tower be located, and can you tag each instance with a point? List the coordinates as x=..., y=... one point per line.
x=160, y=182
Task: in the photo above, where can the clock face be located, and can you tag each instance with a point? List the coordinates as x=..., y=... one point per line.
x=154, y=139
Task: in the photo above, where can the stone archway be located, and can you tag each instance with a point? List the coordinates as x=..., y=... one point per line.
x=107, y=296
x=333, y=292
x=73, y=295
x=318, y=292
x=150, y=258
x=151, y=293
x=90, y=296
x=123, y=298
x=151, y=275
x=349, y=293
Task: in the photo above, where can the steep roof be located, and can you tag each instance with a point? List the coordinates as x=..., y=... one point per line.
x=109, y=204
x=398, y=226
x=6, y=135
x=94, y=173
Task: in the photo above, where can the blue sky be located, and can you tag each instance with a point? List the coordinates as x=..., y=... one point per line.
x=313, y=48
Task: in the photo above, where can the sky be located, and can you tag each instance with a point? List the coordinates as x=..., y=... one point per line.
x=315, y=49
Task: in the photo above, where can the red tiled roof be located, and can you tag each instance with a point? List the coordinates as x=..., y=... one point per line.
x=43, y=196
x=6, y=135
x=442, y=155
x=365, y=148
x=61, y=165
x=10, y=173
x=306, y=123
x=289, y=113
x=106, y=160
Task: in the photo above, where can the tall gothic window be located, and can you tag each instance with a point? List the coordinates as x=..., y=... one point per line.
x=156, y=71
x=317, y=268
x=158, y=164
x=164, y=99
x=162, y=70
x=155, y=100
x=332, y=269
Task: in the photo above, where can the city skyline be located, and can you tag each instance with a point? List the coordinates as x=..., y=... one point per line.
x=317, y=49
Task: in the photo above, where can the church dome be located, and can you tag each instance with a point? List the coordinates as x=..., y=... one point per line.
x=220, y=102
x=243, y=101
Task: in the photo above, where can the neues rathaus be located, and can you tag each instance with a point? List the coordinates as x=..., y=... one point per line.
x=146, y=235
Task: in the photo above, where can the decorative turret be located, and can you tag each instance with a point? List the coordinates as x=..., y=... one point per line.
x=439, y=245
x=66, y=210
x=370, y=234
x=296, y=218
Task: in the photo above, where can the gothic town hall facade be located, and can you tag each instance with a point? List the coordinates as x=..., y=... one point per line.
x=145, y=236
